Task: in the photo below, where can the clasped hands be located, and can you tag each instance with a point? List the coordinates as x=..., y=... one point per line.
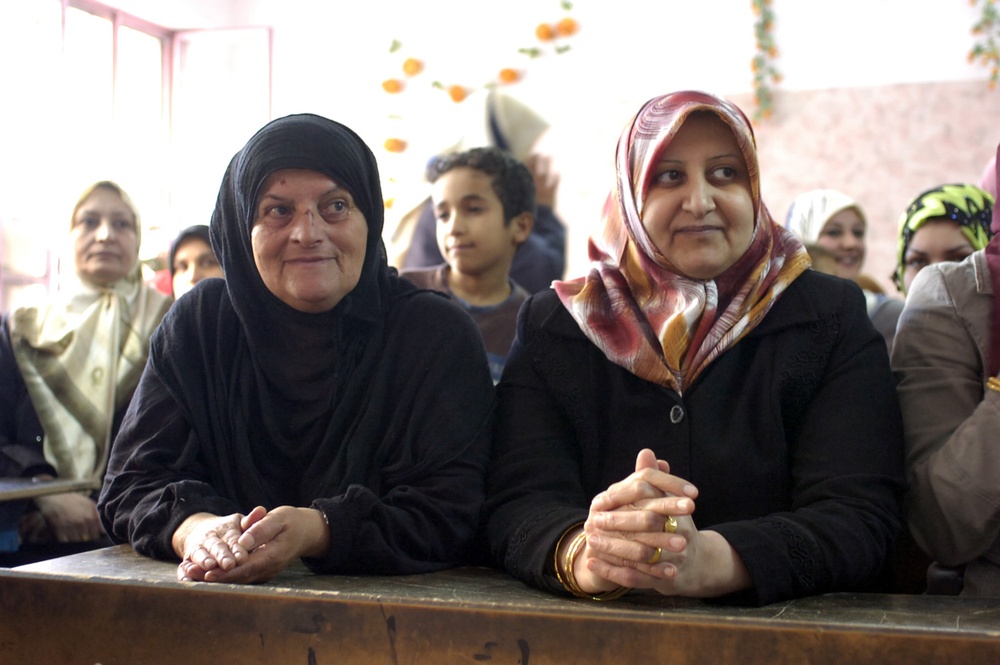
x=627, y=544
x=248, y=548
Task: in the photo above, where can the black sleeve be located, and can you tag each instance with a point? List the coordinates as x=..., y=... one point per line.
x=534, y=487
x=21, y=436
x=846, y=462
x=154, y=479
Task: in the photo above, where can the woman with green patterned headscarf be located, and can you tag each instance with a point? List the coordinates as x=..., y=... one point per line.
x=946, y=223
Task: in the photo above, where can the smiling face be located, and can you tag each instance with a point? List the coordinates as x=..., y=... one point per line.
x=844, y=236
x=936, y=241
x=471, y=231
x=309, y=239
x=699, y=211
x=105, y=242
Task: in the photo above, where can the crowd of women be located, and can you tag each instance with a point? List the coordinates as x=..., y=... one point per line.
x=704, y=413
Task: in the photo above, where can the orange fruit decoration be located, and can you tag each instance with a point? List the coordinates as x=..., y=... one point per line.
x=392, y=86
x=566, y=27
x=457, y=93
x=508, y=75
x=544, y=32
x=412, y=66
x=395, y=145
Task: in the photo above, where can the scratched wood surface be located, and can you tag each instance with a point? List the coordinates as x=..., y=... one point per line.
x=12, y=489
x=113, y=606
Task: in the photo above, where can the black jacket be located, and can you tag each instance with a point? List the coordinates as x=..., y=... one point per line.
x=793, y=437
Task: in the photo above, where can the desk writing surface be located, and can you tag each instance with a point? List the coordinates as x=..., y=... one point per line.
x=28, y=488
x=113, y=606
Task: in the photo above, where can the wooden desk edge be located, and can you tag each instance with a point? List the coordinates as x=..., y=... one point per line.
x=13, y=489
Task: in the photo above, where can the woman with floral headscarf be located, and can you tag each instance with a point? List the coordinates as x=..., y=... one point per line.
x=946, y=223
x=311, y=405
x=947, y=362
x=700, y=414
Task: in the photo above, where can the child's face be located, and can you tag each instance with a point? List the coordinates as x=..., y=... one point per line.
x=471, y=233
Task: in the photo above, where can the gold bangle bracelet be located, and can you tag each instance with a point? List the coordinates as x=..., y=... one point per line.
x=567, y=577
x=555, y=556
x=993, y=383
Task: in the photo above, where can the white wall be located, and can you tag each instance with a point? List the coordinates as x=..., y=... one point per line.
x=330, y=58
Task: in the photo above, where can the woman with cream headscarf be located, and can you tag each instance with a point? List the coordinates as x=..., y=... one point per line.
x=68, y=367
x=834, y=221
x=499, y=121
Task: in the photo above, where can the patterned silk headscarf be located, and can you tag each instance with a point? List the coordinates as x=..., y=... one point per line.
x=967, y=205
x=634, y=304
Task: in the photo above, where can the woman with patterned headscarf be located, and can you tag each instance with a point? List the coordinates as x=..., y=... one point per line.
x=946, y=223
x=947, y=362
x=700, y=414
x=311, y=405
x=68, y=368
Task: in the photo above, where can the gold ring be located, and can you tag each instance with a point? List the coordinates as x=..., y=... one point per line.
x=670, y=526
x=656, y=556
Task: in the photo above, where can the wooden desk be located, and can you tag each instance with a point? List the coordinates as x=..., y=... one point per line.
x=27, y=488
x=114, y=607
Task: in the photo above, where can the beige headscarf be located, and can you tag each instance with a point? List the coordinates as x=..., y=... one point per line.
x=81, y=356
x=811, y=211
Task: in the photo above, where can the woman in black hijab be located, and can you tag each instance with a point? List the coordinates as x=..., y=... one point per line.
x=312, y=405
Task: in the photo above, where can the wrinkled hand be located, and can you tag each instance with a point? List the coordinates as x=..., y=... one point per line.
x=253, y=548
x=626, y=526
x=207, y=543
x=71, y=517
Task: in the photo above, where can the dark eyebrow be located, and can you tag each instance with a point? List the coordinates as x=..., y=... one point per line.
x=725, y=155
x=336, y=189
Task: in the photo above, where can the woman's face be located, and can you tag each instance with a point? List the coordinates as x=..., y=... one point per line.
x=936, y=241
x=699, y=211
x=309, y=239
x=105, y=242
x=194, y=261
x=844, y=236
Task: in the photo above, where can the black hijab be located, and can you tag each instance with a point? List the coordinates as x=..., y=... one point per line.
x=310, y=142
x=253, y=372
x=199, y=231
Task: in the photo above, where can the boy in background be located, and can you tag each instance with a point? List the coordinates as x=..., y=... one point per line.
x=484, y=202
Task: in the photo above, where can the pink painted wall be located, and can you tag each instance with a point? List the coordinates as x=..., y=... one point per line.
x=881, y=145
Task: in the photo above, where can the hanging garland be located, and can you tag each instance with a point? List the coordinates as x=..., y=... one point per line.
x=986, y=48
x=764, y=72
x=552, y=37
